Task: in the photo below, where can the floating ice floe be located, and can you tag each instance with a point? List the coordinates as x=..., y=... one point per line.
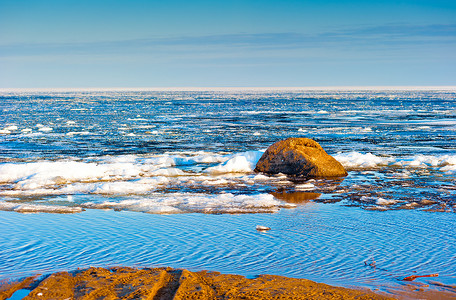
x=71, y=133
x=159, y=203
x=378, y=200
x=382, y=201
x=45, y=128
x=449, y=168
x=238, y=163
x=429, y=160
x=194, y=202
x=261, y=177
x=11, y=128
x=127, y=174
x=359, y=160
x=304, y=186
x=355, y=160
x=8, y=129
x=34, y=208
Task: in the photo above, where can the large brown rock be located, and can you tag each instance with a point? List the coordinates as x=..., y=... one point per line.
x=300, y=157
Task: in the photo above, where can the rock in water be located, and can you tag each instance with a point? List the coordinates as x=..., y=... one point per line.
x=300, y=157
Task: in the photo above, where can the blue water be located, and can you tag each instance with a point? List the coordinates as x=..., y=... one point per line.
x=164, y=178
x=322, y=242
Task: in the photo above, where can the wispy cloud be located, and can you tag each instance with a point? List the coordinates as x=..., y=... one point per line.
x=366, y=37
x=408, y=31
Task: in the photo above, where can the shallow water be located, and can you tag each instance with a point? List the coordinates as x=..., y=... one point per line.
x=186, y=159
x=322, y=242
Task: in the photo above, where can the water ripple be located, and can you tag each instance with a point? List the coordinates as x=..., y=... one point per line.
x=326, y=243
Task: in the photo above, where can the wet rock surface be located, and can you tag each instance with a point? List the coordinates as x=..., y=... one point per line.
x=167, y=283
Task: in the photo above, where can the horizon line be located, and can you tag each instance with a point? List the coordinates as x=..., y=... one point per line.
x=253, y=88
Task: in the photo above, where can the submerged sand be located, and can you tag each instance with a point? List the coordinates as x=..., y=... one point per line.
x=167, y=283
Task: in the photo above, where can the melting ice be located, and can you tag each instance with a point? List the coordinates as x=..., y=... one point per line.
x=195, y=151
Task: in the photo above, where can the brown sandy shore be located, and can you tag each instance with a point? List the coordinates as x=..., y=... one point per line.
x=167, y=283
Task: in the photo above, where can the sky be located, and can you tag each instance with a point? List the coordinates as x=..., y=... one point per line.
x=248, y=43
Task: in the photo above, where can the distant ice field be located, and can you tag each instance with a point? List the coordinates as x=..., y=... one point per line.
x=168, y=151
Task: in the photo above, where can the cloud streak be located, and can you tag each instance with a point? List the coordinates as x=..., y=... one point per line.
x=397, y=35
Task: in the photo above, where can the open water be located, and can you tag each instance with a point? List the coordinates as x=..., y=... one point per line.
x=165, y=177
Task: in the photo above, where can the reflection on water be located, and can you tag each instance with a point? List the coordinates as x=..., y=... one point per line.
x=296, y=197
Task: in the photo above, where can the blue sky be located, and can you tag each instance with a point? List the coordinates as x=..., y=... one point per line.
x=199, y=43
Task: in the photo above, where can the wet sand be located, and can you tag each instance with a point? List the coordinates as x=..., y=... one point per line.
x=167, y=283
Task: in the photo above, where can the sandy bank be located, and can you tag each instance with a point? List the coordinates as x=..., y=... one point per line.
x=167, y=283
